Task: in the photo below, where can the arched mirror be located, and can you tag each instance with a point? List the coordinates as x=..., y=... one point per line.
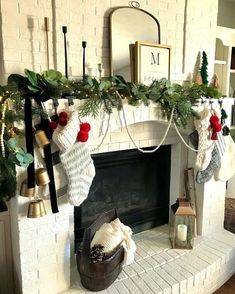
x=128, y=25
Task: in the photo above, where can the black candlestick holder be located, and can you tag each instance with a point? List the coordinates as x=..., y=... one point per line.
x=64, y=30
x=84, y=44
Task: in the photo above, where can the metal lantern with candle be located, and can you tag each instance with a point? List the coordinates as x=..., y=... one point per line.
x=182, y=224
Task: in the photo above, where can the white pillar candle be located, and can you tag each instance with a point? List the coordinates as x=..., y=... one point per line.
x=182, y=232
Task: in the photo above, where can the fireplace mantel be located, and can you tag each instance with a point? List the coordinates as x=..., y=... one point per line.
x=43, y=249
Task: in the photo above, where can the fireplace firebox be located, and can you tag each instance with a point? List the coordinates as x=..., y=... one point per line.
x=136, y=184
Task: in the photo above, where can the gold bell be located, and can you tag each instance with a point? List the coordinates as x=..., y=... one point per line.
x=25, y=191
x=42, y=177
x=36, y=209
x=41, y=138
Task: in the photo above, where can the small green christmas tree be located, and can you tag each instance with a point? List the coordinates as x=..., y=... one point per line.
x=203, y=68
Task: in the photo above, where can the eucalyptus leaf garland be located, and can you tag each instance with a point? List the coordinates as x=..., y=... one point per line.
x=106, y=94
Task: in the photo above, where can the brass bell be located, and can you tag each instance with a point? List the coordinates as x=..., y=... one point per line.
x=36, y=209
x=25, y=191
x=42, y=177
x=41, y=138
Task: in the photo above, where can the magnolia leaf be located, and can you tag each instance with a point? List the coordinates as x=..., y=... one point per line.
x=11, y=143
x=52, y=75
x=17, y=80
x=21, y=151
x=52, y=82
x=28, y=158
x=104, y=85
x=90, y=81
x=19, y=157
x=34, y=89
x=32, y=77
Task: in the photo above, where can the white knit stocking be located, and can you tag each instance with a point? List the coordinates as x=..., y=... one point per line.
x=80, y=170
x=204, y=150
x=65, y=137
x=226, y=148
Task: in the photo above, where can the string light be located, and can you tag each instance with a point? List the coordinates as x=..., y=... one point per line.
x=3, y=128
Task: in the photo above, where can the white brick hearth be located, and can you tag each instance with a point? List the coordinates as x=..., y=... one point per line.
x=159, y=269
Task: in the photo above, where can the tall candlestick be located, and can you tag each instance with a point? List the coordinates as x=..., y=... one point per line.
x=64, y=30
x=84, y=43
x=182, y=232
x=46, y=23
x=100, y=70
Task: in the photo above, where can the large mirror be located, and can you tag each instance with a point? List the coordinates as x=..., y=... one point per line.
x=128, y=25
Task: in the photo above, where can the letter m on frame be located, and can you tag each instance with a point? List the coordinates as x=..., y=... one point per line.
x=155, y=58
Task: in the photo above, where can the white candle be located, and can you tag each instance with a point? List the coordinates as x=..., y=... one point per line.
x=182, y=232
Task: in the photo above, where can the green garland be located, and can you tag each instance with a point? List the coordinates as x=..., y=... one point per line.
x=106, y=94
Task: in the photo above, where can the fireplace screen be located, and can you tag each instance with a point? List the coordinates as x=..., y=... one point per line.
x=136, y=184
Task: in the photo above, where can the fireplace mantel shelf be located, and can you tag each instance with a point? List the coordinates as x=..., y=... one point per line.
x=159, y=269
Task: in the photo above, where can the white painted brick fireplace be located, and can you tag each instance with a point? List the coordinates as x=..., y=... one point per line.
x=43, y=248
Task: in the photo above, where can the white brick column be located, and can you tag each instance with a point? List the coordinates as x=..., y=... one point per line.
x=41, y=248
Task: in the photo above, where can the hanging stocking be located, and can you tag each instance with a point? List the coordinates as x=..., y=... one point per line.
x=205, y=175
x=205, y=145
x=75, y=158
x=227, y=149
x=80, y=171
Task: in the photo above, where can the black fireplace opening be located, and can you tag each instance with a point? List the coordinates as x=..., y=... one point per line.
x=136, y=184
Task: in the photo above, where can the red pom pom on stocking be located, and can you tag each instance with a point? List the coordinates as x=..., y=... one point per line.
x=82, y=136
x=85, y=127
x=53, y=125
x=216, y=126
x=63, y=114
x=63, y=121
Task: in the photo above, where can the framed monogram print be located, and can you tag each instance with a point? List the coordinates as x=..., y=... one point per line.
x=153, y=62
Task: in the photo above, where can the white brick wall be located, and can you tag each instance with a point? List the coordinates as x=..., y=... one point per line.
x=23, y=28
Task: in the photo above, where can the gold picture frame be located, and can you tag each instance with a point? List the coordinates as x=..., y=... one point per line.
x=152, y=62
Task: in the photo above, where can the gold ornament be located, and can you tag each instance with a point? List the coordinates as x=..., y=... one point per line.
x=25, y=191
x=41, y=138
x=42, y=177
x=36, y=208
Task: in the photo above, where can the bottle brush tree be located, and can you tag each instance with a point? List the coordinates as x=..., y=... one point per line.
x=204, y=69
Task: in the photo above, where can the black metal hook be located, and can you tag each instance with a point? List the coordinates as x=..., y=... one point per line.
x=55, y=104
x=70, y=100
x=211, y=102
x=220, y=102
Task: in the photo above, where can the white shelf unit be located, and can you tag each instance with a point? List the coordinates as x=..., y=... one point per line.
x=225, y=49
x=220, y=62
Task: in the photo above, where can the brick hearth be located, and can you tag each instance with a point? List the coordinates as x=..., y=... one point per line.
x=159, y=269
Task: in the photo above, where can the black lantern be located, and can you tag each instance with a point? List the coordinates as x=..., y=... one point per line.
x=182, y=224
